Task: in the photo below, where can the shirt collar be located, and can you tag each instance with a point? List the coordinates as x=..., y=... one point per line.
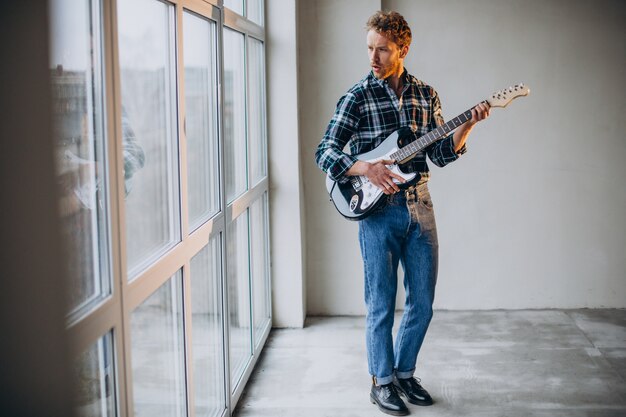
x=382, y=83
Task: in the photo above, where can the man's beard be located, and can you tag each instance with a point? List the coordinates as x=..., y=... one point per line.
x=385, y=72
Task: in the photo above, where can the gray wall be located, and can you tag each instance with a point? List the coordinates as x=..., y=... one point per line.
x=533, y=215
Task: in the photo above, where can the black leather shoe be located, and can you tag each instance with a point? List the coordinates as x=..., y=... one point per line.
x=413, y=391
x=387, y=399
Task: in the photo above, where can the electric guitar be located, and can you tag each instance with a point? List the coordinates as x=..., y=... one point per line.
x=357, y=198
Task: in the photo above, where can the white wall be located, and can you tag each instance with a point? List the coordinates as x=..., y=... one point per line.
x=286, y=208
x=534, y=215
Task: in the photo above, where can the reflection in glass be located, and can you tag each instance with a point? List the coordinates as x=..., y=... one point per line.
x=238, y=296
x=255, y=11
x=79, y=130
x=148, y=85
x=201, y=117
x=256, y=110
x=234, y=115
x=157, y=350
x=234, y=5
x=208, y=369
x=94, y=376
x=259, y=267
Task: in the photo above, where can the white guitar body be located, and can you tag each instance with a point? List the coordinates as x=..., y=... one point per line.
x=359, y=195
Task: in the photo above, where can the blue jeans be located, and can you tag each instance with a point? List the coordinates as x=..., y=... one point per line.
x=402, y=231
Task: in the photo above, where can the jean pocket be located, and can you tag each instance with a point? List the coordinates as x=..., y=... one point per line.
x=426, y=201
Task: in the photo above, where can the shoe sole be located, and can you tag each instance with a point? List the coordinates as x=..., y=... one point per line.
x=387, y=411
x=414, y=402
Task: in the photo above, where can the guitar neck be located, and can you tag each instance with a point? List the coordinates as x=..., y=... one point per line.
x=407, y=152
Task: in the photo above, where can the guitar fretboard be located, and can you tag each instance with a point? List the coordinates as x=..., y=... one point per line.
x=409, y=151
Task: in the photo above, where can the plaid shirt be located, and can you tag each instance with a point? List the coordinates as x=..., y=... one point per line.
x=370, y=111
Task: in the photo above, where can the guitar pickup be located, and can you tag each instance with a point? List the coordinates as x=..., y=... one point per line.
x=356, y=182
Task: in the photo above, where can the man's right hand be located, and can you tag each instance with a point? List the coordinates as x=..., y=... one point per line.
x=378, y=174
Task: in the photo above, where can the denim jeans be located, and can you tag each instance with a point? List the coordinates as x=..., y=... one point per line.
x=402, y=231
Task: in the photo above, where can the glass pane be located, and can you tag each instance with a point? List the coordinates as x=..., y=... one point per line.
x=234, y=5
x=208, y=346
x=255, y=11
x=201, y=118
x=238, y=296
x=94, y=375
x=157, y=350
x=148, y=83
x=76, y=55
x=234, y=115
x=256, y=111
x=259, y=244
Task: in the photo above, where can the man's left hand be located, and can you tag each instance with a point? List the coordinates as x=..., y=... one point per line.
x=480, y=112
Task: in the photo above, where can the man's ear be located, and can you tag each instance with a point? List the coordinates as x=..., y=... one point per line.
x=404, y=51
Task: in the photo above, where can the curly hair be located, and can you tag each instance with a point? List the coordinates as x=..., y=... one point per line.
x=392, y=25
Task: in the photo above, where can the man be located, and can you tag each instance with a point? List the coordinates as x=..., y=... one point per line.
x=403, y=230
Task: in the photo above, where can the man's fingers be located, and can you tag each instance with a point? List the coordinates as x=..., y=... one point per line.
x=393, y=185
x=398, y=177
x=482, y=111
x=386, y=189
x=390, y=172
x=384, y=178
x=474, y=114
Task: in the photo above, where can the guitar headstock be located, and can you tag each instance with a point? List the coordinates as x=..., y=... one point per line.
x=503, y=97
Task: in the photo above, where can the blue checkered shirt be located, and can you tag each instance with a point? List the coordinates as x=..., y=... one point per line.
x=370, y=111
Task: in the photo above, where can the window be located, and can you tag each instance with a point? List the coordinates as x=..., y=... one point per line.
x=76, y=55
x=95, y=389
x=234, y=115
x=149, y=130
x=259, y=267
x=159, y=116
x=201, y=124
x=255, y=11
x=234, y=5
x=238, y=296
x=256, y=111
x=208, y=365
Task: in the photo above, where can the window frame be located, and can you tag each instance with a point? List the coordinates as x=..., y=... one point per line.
x=113, y=313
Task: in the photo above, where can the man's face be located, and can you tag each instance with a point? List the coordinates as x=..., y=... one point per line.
x=386, y=57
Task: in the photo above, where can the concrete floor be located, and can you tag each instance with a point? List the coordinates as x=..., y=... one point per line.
x=477, y=363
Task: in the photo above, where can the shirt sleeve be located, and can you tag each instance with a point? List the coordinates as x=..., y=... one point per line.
x=441, y=153
x=330, y=156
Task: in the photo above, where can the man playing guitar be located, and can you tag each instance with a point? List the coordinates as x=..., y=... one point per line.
x=403, y=229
